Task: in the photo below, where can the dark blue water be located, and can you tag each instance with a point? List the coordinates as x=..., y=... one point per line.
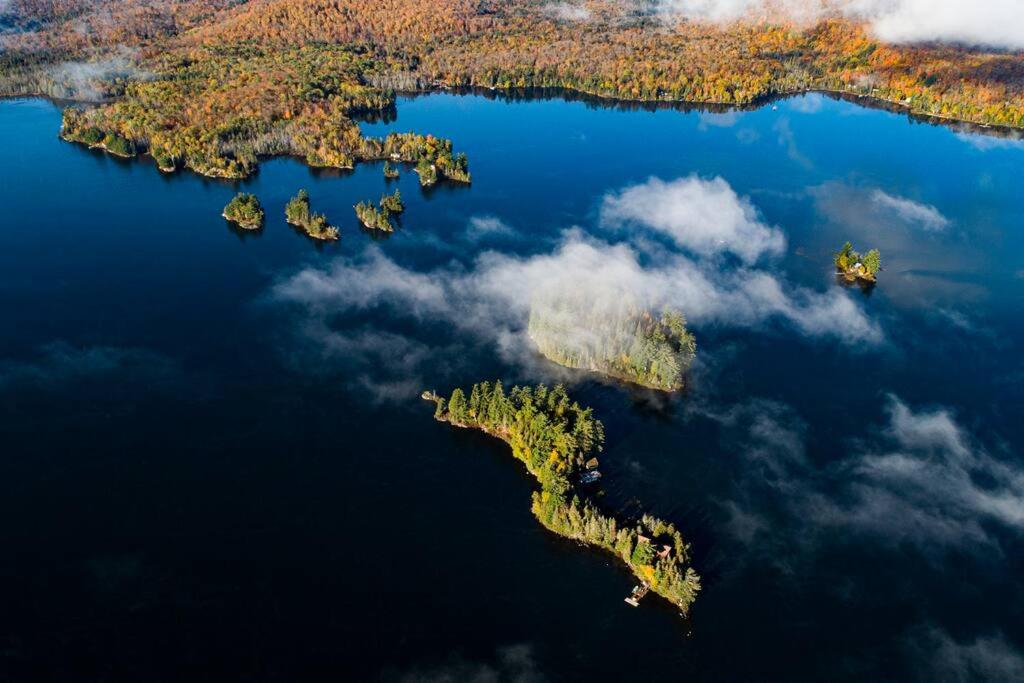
x=214, y=464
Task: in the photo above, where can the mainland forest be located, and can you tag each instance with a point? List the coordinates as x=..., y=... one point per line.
x=213, y=86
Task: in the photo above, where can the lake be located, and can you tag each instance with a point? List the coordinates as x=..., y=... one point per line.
x=216, y=465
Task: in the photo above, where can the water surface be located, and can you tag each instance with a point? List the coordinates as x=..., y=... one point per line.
x=203, y=481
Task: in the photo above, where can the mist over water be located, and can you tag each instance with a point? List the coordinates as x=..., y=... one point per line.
x=216, y=465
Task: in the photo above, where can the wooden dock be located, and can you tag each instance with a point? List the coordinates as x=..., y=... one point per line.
x=637, y=595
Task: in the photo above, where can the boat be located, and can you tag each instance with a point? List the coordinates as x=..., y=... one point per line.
x=637, y=595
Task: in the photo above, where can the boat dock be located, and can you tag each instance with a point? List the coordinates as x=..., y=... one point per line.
x=637, y=595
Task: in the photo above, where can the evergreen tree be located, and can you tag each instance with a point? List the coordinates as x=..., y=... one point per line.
x=457, y=406
x=554, y=436
x=872, y=261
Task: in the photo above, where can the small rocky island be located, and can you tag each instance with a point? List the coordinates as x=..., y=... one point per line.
x=244, y=210
x=614, y=338
x=853, y=267
x=379, y=217
x=392, y=203
x=315, y=225
x=557, y=440
x=390, y=172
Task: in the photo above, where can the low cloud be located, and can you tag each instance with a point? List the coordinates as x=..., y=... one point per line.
x=566, y=11
x=491, y=300
x=940, y=657
x=997, y=23
x=59, y=364
x=925, y=216
x=385, y=366
x=485, y=227
x=513, y=664
x=929, y=485
x=486, y=303
x=986, y=143
x=95, y=81
x=923, y=481
x=705, y=217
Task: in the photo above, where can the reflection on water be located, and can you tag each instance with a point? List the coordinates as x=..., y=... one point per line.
x=215, y=464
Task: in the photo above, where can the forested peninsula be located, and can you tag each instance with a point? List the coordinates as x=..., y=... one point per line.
x=556, y=439
x=212, y=85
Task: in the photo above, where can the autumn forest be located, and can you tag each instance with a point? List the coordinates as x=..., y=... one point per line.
x=212, y=86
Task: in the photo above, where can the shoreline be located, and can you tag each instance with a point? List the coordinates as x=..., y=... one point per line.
x=244, y=226
x=867, y=101
x=568, y=94
x=662, y=556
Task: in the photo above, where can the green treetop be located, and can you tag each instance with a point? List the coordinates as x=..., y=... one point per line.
x=244, y=210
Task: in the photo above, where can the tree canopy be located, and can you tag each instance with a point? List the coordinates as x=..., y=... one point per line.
x=555, y=437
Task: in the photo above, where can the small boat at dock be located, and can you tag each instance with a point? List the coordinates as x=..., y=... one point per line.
x=637, y=595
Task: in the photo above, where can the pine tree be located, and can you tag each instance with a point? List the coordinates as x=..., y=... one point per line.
x=872, y=261
x=457, y=406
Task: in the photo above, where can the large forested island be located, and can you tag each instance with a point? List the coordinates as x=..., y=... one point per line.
x=212, y=85
x=555, y=438
x=615, y=338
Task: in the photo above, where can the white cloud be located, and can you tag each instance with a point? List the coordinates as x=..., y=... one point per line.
x=728, y=119
x=492, y=299
x=706, y=217
x=918, y=493
x=488, y=301
x=936, y=462
x=566, y=11
x=922, y=481
x=376, y=280
x=987, y=22
x=483, y=227
x=811, y=103
x=985, y=143
x=998, y=23
x=925, y=215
